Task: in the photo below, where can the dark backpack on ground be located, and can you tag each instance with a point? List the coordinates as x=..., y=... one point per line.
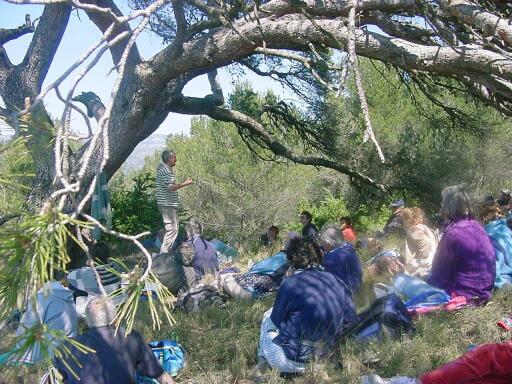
x=386, y=317
x=199, y=297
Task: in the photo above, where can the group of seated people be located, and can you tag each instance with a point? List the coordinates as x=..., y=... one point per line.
x=101, y=355
x=471, y=255
x=196, y=257
x=314, y=302
x=315, y=277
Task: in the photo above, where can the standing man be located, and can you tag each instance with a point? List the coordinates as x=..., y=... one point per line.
x=167, y=197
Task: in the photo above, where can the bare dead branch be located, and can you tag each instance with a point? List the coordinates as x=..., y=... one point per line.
x=369, y=134
x=218, y=96
x=301, y=59
x=7, y=35
x=104, y=21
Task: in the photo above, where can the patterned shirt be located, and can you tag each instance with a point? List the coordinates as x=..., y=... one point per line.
x=164, y=177
x=258, y=285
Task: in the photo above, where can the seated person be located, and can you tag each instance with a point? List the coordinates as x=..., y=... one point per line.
x=465, y=261
x=385, y=263
x=83, y=281
x=204, y=256
x=340, y=257
x=269, y=238
x=117, y=355
x=347, y=230
x=55, y=307
x=394, y=223
x=501, y=237
x=262, y=279
x=310, y=311
x=504, y=199
x=420, y=242
x=172, y=273
x=154, y=240
x=225, y=253
x=309, y=230
x=486, y=364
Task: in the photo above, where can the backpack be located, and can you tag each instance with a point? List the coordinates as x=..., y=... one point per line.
x=199, y=297
x=170, y=354
x=386, y=317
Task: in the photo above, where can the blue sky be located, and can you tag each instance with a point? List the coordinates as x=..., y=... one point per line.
x=82, y=34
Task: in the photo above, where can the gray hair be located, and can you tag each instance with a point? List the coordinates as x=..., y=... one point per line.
x=456, y=202
x=100, y=312
x=331, y=234
x=194, y=227
x=167, y=154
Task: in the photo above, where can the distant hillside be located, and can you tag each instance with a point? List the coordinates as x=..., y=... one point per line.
x=145, y=148
x=136, y=159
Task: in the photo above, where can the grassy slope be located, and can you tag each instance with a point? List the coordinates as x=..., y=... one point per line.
x=222, y=343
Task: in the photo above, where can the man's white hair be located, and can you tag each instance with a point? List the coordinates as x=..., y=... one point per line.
x=100, y=312
x=167, y=154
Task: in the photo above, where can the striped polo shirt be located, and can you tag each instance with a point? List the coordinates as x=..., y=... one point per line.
x=164, y=177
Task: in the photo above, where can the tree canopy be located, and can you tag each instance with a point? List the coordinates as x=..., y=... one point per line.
x=460, y=45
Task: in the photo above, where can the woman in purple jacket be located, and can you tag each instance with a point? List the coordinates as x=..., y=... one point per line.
x=465, y=262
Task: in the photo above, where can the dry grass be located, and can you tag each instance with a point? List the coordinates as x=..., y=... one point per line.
x=222, y=343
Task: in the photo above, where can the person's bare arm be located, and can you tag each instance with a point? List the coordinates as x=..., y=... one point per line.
x=165, y=379
x=176, y=186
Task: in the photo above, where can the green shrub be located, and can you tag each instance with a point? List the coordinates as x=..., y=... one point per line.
x=135, y=210
x=365, y=218
x=326, y=211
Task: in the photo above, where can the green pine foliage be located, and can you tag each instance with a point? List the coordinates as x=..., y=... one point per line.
x=32, y=250
x=16, y=173
x=427, y=145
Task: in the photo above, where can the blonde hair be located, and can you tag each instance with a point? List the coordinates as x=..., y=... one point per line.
x=412, y=216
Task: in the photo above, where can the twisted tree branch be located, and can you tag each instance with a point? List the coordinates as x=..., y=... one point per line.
x=193, y=106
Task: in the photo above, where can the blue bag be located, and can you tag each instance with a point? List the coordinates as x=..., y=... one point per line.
x=170, y=354
x=418, y=293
